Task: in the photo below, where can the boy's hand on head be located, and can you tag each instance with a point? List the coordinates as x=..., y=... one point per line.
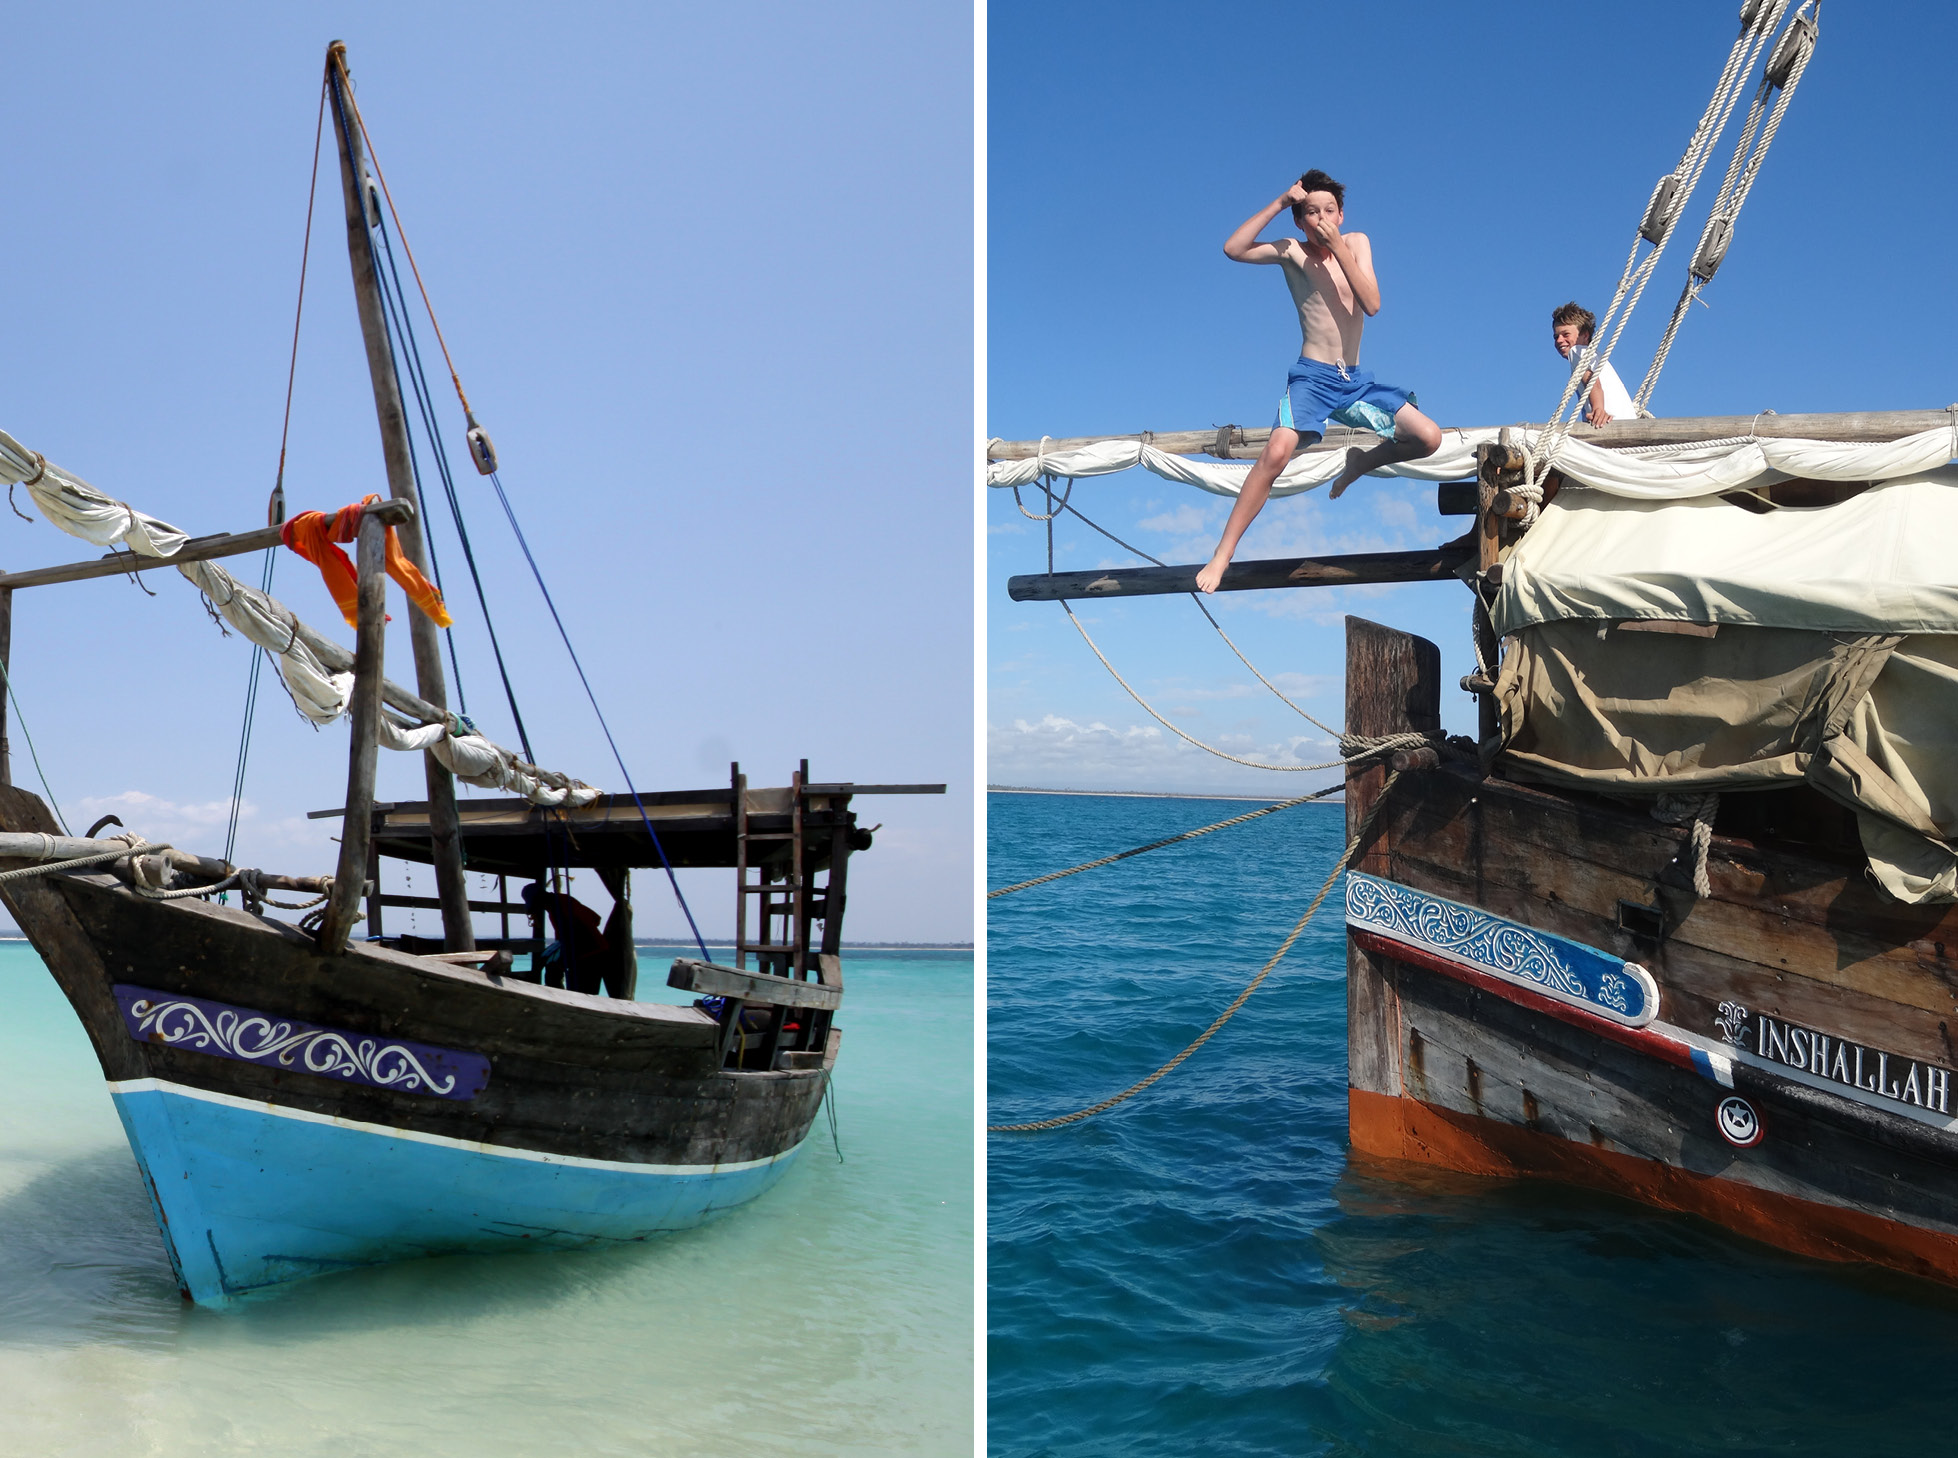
x=1295, y=194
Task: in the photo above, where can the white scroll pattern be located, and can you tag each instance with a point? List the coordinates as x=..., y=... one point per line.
x=257, y=1038
x=1471, y=935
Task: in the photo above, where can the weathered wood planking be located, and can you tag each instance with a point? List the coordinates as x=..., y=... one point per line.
x=1481, y=843
x=1393, y=685
x=1491, y=1061
x=712, y=980
x=570, y=1074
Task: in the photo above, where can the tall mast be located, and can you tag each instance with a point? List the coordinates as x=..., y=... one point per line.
x=445, y=832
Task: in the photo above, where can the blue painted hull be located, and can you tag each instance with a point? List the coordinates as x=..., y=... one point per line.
x=249, y=1194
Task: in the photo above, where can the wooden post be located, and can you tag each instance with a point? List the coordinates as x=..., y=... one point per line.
x=444, y=825
x=6, y=683
x=1393, y=685
x=357, y=825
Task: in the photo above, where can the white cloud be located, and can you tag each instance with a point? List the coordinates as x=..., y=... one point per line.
x=1182, y=521
x=1054, y=752
x=194, y=826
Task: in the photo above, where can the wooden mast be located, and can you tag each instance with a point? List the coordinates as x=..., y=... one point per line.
x=445, y=835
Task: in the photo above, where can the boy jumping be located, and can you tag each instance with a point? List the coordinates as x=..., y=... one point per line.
x=1331, y=278
x=1606, y=399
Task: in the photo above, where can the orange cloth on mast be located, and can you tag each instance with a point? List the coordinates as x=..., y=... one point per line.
x=312, y=535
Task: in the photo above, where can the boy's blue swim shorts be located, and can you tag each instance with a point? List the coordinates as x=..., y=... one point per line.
x=1316, y=392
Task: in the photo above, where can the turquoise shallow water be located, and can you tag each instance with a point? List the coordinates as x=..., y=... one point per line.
x=832, y=1316
x=1206, y=1270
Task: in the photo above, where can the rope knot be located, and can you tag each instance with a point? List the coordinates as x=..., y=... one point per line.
x=1698, y=811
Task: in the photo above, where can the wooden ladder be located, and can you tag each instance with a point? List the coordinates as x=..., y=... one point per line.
x=787, y=899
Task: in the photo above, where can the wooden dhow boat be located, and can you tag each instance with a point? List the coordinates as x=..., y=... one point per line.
x=301, y=1102
x=1679, y=923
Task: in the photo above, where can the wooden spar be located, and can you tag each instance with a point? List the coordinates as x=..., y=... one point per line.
x=445, y=835
x=1235, y=443
x=118, y=564
x=1435, y=564
x=197, y=549
x=357, y=829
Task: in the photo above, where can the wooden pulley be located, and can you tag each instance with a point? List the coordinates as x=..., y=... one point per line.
x=1791, y=50
x=1707, y=261
x=481, y=451
x=1659, y=215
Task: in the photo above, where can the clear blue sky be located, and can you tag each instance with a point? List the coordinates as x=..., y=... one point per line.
x=732, y=415
x=1499, y=156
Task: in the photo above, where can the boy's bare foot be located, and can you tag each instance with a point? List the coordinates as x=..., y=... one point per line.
x=1355, y=468
x=1211, y=575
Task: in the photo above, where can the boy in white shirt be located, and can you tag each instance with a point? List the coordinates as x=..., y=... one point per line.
x=1607, y=399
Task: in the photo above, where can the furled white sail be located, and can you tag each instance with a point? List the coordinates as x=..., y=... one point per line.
x=1653, y=473
x=318, y=692
x=81, y=510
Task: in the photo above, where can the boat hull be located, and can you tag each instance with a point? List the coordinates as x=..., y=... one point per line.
x=249, y=1194
x=295, y=1112
x=1782, y=1066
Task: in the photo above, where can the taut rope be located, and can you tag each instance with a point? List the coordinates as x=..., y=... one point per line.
x=1167, y=840
x=1359, y=836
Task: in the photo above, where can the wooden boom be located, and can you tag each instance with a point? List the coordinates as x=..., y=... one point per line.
x=1434, y=564
x=1233, y=442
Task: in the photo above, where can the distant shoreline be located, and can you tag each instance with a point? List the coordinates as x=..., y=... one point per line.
x=6, y=936
x=1146, y=794
x=684, y=941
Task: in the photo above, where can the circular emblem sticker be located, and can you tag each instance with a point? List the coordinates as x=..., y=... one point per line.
x=1739, y=1124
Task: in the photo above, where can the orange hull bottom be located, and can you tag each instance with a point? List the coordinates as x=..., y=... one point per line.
x=1407, y=1129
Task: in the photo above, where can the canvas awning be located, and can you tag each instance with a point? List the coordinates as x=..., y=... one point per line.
x=1881, y=562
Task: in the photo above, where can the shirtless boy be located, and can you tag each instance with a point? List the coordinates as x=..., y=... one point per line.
x=1606, y=399
x=1331, y=278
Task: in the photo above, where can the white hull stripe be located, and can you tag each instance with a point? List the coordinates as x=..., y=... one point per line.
x=471, y=1146
x=1718, y=1053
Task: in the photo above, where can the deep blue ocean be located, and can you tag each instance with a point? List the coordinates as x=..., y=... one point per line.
x=1206, y=1270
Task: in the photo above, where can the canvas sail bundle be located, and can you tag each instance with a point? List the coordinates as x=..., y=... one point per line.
x=1822, y=647
x=1653, y=473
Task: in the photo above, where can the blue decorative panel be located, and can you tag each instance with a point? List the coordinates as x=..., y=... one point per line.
x=1554, y=966
x=255, y=1037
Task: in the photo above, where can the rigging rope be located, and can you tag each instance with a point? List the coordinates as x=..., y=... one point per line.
x=6, y=681
x=617, y=758
x=1359, y=836
x=1759, y=20
x=1351, y=747
x=1167, y=840
x=1786, y=63
x=1198, y=600
x=276, y=508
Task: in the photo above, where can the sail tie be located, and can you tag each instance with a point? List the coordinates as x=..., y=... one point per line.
x=313, y=535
